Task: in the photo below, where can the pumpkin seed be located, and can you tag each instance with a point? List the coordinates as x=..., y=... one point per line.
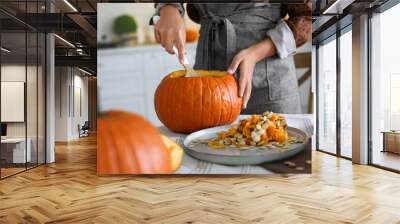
x=299, y=168
x=244, y=147
x=290, y=164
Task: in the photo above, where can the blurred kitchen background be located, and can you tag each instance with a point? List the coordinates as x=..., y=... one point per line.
x=116, y=18
x=131, y=64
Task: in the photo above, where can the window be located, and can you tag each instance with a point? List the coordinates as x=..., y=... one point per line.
x=394, y=102
x=329, y=111
x=385, y=86
x=346, y=94
x=327, y=97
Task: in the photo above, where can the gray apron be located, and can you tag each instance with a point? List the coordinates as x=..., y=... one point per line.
x=228, y=28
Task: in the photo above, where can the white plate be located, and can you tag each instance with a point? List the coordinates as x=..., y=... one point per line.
x=233, y=156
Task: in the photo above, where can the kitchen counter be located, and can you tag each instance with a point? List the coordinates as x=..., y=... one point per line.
x=191, y=165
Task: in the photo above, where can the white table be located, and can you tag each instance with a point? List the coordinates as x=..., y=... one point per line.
x=18, y=149
x=191, y=165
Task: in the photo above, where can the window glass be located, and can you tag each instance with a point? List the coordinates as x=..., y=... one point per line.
x=22, y=90
x=14, y=148
x=327, y=97
x=346, y=94
x=385, y=92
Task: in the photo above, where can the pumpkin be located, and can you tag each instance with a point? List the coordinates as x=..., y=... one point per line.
x=191, y=35
x=129, y=144
x=187, y=104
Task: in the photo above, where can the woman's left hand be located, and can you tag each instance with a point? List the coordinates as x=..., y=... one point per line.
x=246, y=60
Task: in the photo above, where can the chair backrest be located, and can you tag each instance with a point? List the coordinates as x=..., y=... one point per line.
x=86, y=125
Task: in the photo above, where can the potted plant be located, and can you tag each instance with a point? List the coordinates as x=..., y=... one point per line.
x=125, y=28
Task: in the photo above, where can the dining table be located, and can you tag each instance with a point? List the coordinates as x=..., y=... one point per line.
x=191, y=165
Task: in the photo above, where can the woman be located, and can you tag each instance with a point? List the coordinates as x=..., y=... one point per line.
x=250, y=38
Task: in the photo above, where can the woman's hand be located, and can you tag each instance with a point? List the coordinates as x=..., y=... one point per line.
x=170, y=30
x=246, y=60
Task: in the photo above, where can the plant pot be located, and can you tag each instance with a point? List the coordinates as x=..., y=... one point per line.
x=128, y=39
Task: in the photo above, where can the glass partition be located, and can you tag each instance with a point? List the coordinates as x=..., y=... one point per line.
x=13, y=94
x=22, y=77
x=31, y=99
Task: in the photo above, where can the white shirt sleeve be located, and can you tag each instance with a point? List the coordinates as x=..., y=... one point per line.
x=282, y=37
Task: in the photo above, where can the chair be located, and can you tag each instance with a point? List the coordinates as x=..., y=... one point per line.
x=84, y=130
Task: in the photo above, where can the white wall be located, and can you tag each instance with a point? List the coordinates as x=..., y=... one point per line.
x=80, y=94
x=12, y=101
x=10, y=73
x=70, y=83
x=61, y=103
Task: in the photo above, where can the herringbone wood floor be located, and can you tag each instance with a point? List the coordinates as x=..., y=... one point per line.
x=70, y=192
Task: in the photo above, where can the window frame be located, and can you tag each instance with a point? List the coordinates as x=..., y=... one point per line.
x=334, y=37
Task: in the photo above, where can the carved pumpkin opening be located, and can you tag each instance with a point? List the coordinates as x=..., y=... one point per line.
x=202, y=73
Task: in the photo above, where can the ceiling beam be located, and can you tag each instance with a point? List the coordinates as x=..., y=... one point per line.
x=49, y=22
x=77, y=61
x=86, y=27
x=337, y=7
x=91, y=5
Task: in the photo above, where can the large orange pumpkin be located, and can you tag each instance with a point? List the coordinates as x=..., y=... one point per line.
x=129, y=144
x=187, y=104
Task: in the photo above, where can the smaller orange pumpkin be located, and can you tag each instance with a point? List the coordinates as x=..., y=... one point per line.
x=191, y=35
x=129, y=144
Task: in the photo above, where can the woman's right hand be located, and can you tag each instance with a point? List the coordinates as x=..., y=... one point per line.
x=170, y=30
